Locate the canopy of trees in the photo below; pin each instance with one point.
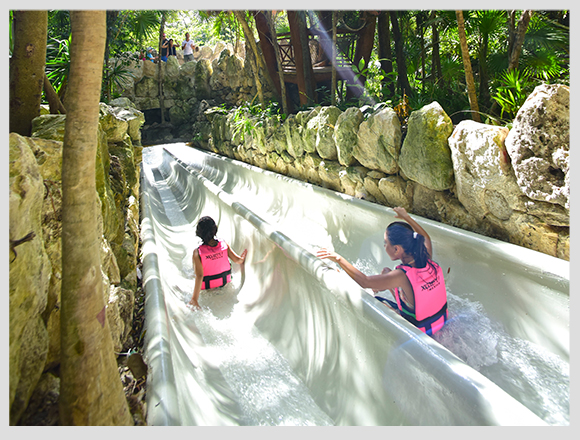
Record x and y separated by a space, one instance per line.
416 56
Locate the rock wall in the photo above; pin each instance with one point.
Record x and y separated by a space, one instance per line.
35 265
510 184
220 75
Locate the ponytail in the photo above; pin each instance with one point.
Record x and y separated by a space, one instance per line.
402 234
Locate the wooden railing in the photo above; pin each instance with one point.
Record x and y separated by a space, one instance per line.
346 43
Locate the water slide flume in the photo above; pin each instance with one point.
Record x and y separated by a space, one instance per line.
294 341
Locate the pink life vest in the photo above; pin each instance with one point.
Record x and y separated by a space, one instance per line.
430 312
217 270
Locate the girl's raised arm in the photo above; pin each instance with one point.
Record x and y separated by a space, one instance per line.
404 215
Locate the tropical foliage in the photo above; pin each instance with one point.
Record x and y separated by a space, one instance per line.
431 56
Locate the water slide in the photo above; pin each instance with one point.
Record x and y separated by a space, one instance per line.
294 341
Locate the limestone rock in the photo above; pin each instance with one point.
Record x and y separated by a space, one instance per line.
120 307
311 163
172 67
352 181
345 135
29 275
379 141
115 127
134 119
486 183
147 88
397 192
203 73
329 172
310 128
150 69
425 156
49 127
539 145
321 127
43 405
371 184
293 131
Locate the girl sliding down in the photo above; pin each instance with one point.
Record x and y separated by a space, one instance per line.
211 260
417 284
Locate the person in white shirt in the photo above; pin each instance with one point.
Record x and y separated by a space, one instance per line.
188 47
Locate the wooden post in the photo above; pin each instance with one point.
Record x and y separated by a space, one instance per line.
304 74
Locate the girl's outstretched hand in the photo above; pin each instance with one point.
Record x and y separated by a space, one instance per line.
401 213
326 254
243 256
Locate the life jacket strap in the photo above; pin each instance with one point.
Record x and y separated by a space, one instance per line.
223 276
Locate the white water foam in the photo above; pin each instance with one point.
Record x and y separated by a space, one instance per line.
267 390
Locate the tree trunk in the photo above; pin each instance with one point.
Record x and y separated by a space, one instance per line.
249 35
436 70
304 74
467 67
274 42
520 35
384 50
268 51
54 104
402 79
484 96
91 392
160 69
363 51
27 69
334 51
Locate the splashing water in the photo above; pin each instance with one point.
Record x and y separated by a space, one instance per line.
267 390
537 378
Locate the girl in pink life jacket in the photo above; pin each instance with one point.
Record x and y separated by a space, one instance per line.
417 284
211 260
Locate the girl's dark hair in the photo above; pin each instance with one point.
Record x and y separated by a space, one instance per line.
402 234
206 229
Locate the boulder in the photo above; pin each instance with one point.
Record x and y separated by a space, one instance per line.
293 131
49 127
150 70
397 192
202 76
35 265
311 163
321 130
539 145
485 181
133 117
147 88
120 306
29 275
345 135
352 181
425 155
379 141
172 67
115 127
310 128
371 184
329 173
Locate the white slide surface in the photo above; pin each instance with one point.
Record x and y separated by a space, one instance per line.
294 341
